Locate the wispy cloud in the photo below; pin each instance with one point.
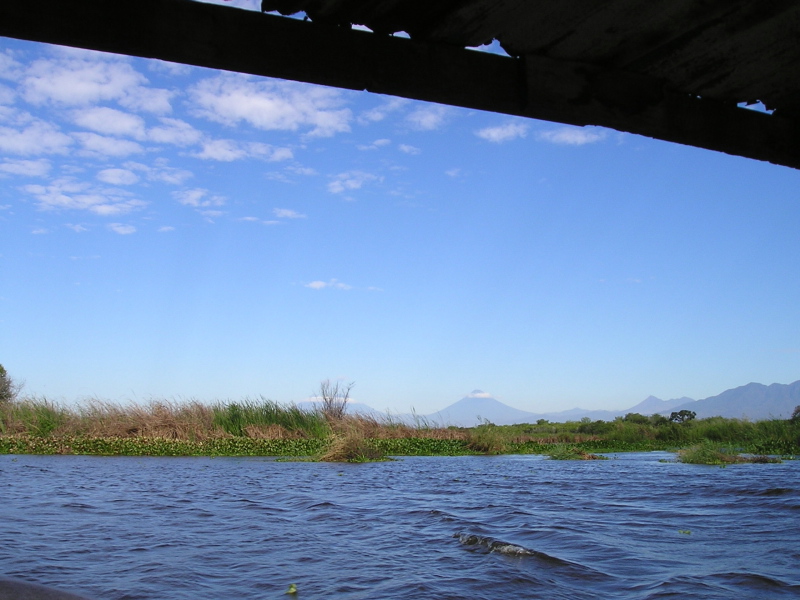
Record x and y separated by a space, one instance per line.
406 148
198 198
374 145
27 168
102 146
118 176
351 180
82 77
503 133
109 121
67 193
429 117
160 171
572 136
122 229
379 113
287 213
270 105
330 284
230 150
174 131
35 137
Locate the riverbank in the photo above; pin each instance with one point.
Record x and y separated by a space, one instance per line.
264 428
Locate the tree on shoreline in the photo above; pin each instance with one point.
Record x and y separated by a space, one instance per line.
334 398
8 389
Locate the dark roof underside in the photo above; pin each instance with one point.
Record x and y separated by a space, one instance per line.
670 69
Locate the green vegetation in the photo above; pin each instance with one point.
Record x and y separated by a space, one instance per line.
268 419
262 427
567 452
709 453
9 389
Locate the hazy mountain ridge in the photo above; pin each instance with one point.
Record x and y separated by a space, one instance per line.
754 401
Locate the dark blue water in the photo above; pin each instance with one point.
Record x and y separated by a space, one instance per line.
428 528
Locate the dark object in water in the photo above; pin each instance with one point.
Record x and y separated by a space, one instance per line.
14 589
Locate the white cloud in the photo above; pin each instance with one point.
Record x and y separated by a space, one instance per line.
150 100
230 150
67 193
170 68
332 284
503 133
77 77
77 228
110 121
103 146
572 136
122 229
455 172
270 105
479 394
374 145
7 95
409 149
351 180
118 176
199 198
160 172
38 137
221 150
166 229
174 131
9 68
379 113
28 168
298 170
286 213
428 117
40 231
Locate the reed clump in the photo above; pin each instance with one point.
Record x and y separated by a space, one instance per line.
351 446
569 452
264 418
710 453
487 438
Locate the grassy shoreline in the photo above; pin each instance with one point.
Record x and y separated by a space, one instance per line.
262 427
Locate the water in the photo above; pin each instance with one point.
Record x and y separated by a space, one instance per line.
429 528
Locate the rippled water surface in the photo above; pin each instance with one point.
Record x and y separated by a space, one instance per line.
446 527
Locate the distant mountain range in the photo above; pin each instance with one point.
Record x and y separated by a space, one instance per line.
753 401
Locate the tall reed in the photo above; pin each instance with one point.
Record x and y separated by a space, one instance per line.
255 418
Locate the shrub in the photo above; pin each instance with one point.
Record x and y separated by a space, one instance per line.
334 398
351 446
9 390
486 438
566 452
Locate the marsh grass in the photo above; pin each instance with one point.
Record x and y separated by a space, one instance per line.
711 453
487 438
264 418
569 452
261 420
351 446
35 416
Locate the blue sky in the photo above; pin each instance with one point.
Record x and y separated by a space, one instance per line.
175 232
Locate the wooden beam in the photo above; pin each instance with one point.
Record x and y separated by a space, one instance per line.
221 37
